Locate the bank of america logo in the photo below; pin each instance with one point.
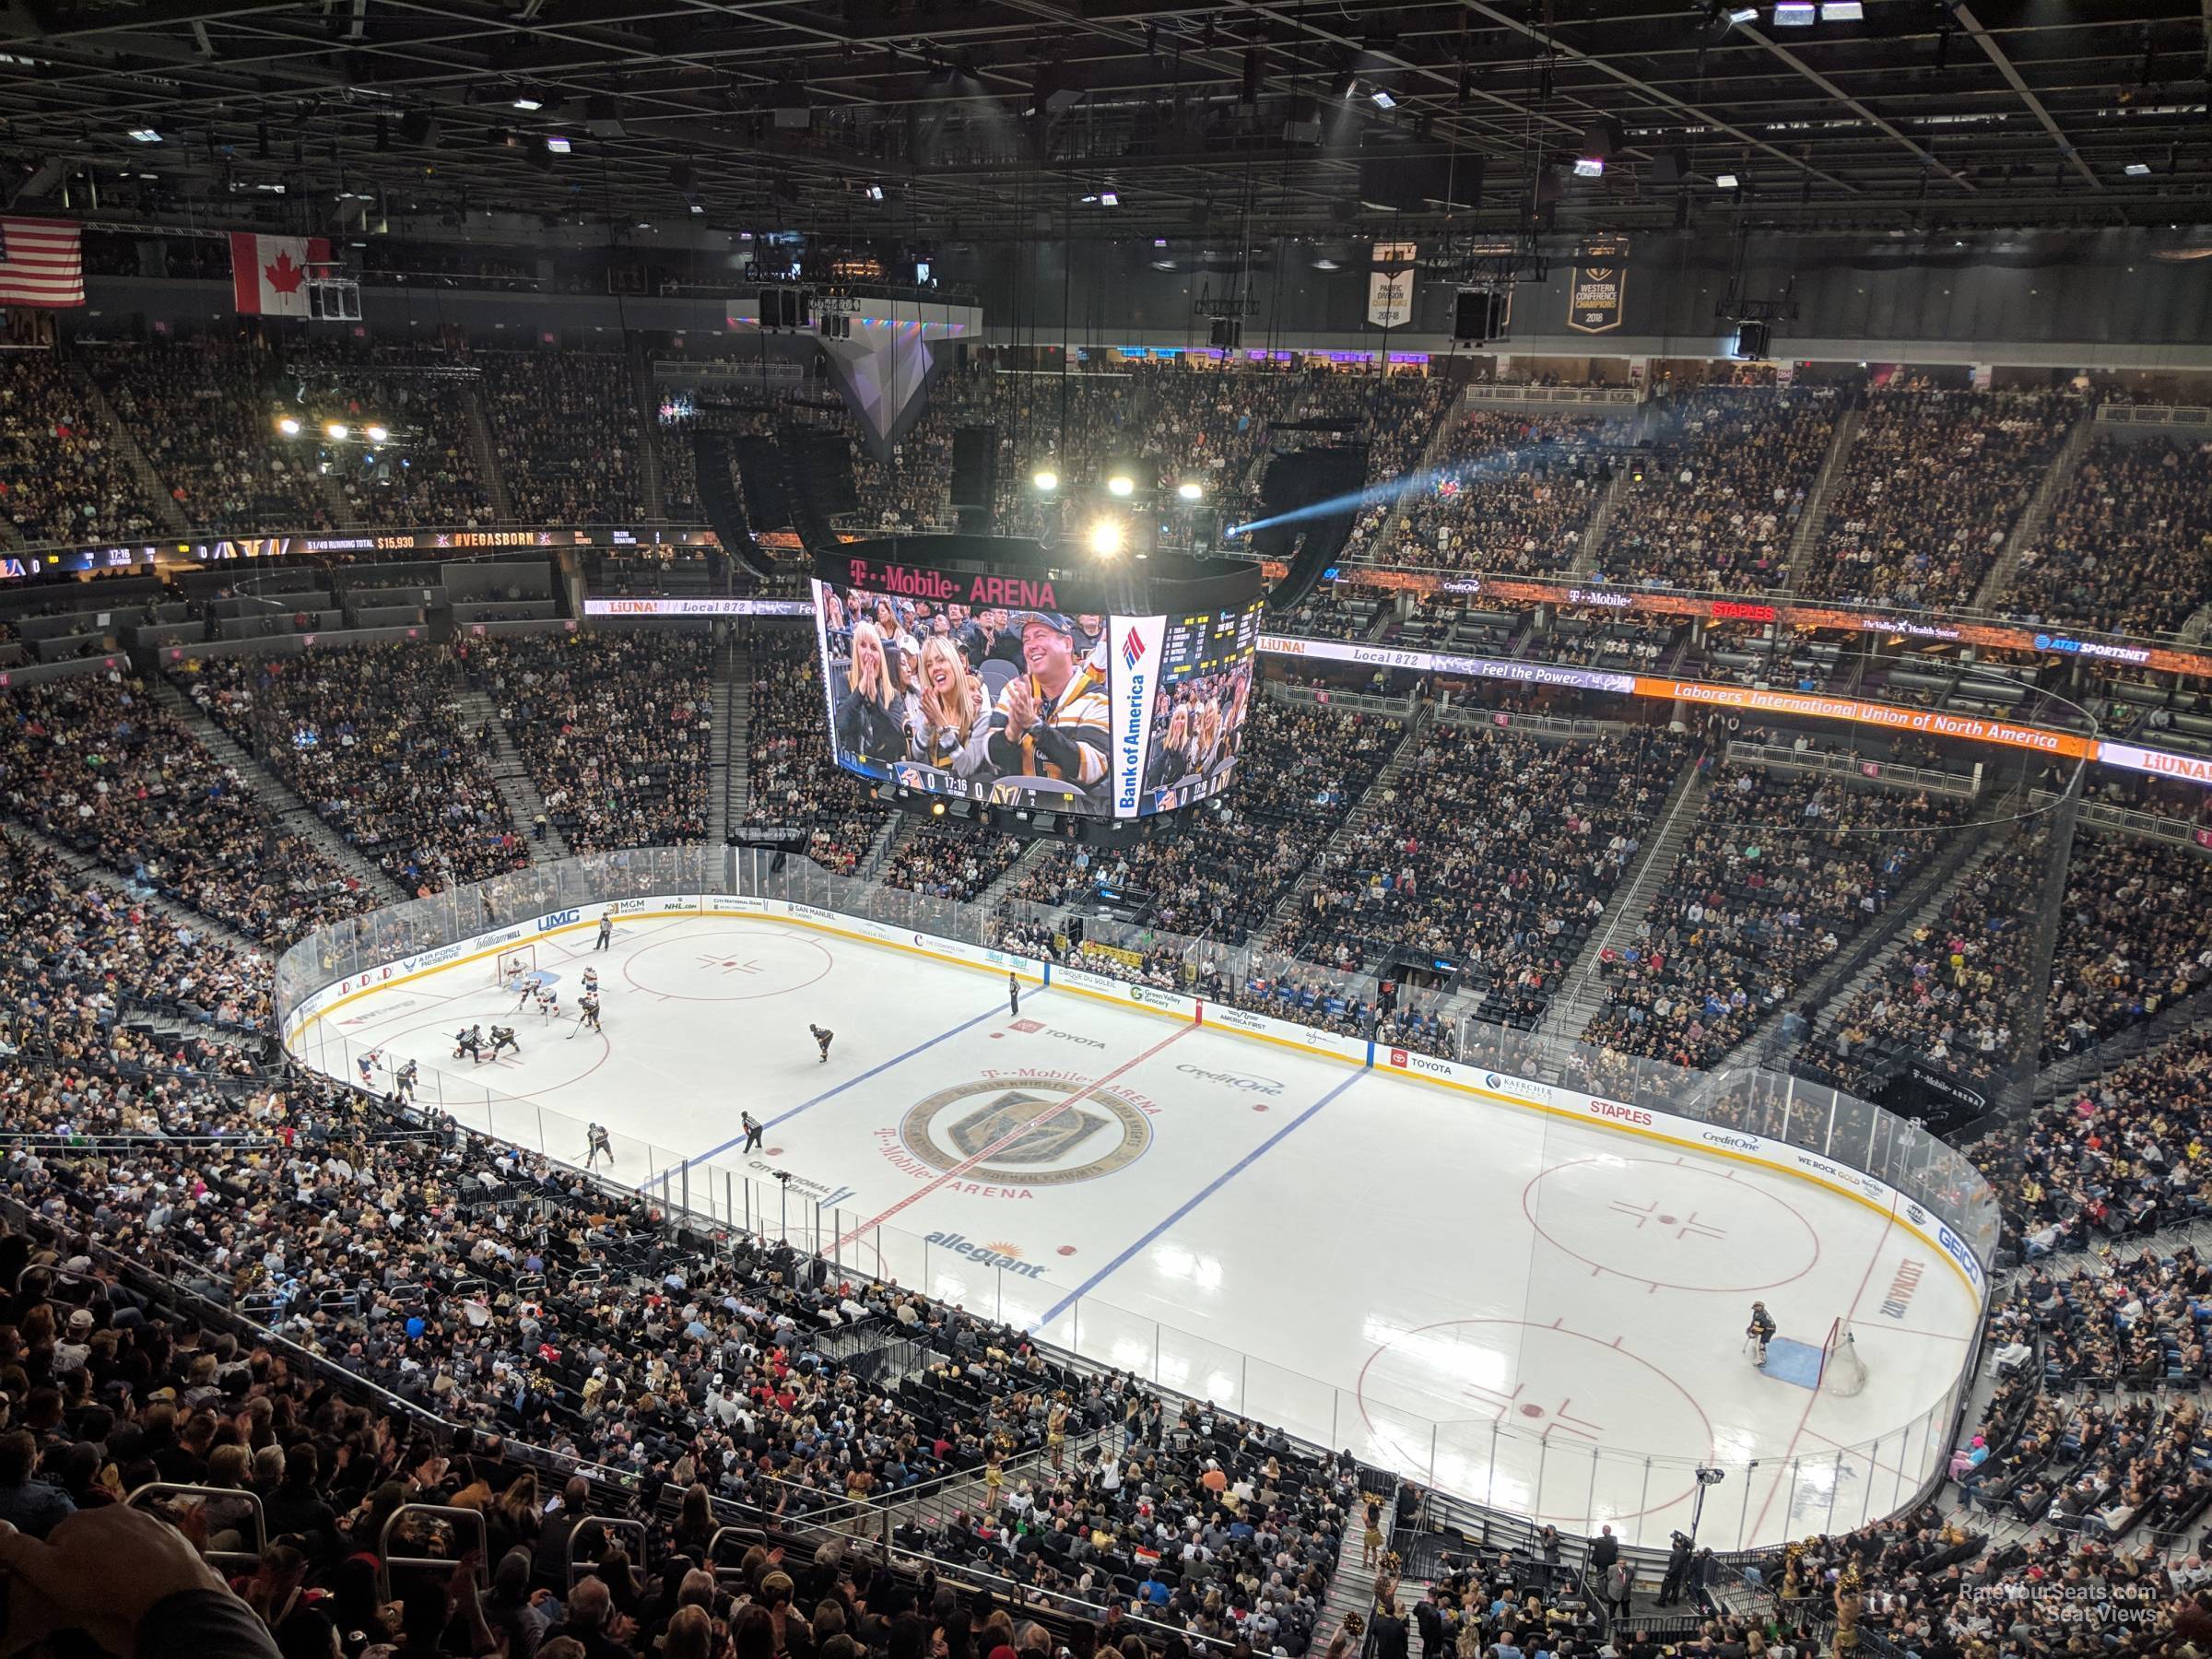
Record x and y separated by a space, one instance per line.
1132 649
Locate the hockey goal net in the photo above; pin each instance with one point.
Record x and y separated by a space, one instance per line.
519 963
1842 1369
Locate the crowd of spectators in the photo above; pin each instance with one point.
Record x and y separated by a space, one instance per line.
2136 936
203 413
60 479
1934 483
791 776
1950 993
1715 504
1222 871
566 433
1511 493
1780 869
368 737
950 859
2128 545
615 729
1493 852
97 764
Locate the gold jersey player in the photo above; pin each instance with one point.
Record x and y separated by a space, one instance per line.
822 1041
1052 719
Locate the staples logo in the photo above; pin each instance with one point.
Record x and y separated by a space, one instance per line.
1618 1113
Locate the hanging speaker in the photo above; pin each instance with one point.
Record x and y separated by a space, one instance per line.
1477 315
1227 333
975 467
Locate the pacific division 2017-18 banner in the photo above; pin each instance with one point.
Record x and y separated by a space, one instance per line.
1598 289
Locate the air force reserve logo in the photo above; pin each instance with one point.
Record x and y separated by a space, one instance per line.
1028 1129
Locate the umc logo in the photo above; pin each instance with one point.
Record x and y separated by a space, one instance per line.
557 919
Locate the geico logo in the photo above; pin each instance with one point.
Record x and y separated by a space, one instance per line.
1232 1080
1619 1114
1956 1249
557 919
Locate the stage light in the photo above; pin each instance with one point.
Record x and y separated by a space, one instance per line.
936 809
145 135
1383 100
1107 198
1590 167
1105 538
1190 489
557 146
1726 181
1121 484
338 430
377 434
1743 14
2139 170
524 101
1795 14
1045 479
1843 11
289 427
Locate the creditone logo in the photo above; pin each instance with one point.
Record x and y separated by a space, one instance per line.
1267 1086
997 1253
557 919
1720 1138
1027 1129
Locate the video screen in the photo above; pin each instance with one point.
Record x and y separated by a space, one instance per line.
1059 710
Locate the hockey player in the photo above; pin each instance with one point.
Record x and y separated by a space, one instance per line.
590 981
549 1002
821 1039
1759 1333
470 1043
503 1037
407 1075
367 1068
597 1142
587 1013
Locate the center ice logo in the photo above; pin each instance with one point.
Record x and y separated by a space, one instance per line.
1028 1129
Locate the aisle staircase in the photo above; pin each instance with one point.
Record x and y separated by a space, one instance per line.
1584 991
733 738
1594 535
1035 853
283 801
343 512
1352 1586
486 452
1332 850
1825 482
649 418
510 776
2026 532
120 437
897 826
1382 550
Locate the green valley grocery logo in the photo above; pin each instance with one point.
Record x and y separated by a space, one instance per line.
1028 1129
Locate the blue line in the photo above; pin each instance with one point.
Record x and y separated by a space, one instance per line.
1197 1198
832 1093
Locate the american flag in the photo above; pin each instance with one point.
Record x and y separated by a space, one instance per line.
41 262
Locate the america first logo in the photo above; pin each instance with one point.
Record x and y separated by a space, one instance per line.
1028 1129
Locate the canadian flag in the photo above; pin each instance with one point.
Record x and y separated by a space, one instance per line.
268 274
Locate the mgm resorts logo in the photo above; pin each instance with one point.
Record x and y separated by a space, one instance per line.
1026 1130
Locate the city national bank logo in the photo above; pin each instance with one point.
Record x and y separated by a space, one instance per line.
997 1253
1010 1132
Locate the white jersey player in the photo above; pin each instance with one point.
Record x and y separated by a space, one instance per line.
549 1002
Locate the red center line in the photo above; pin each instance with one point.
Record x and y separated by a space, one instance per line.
1013 1135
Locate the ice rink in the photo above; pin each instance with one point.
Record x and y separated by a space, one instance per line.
1529 1311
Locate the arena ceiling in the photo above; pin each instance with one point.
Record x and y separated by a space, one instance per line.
977 119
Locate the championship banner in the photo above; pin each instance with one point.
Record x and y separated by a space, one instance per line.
1390 286
1598 286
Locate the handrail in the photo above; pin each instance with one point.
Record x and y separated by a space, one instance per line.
237 1558
609 1526
386 1560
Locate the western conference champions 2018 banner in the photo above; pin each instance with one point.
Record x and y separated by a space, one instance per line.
1597 292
